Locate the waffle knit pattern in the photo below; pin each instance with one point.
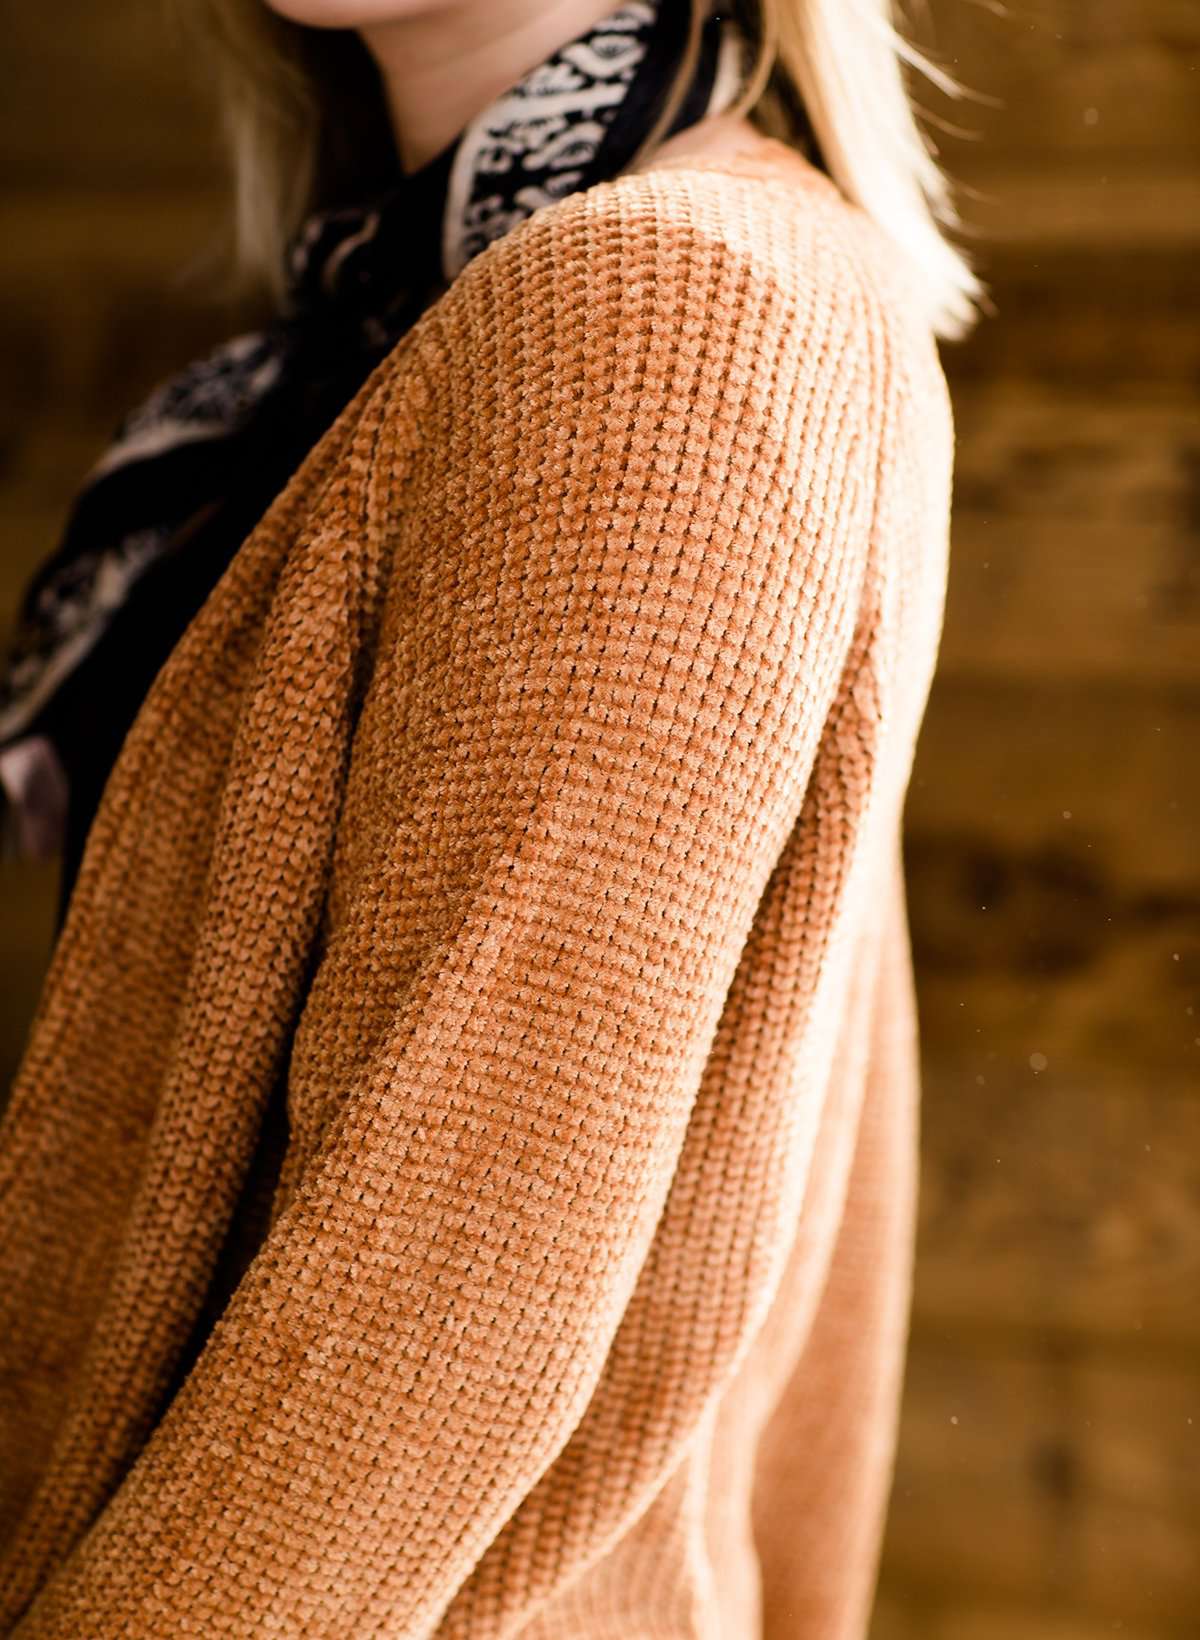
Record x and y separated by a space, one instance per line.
526 797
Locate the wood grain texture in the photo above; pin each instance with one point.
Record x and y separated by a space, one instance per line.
1060 1210
1082 1464
919 1615
1053 869
1077 552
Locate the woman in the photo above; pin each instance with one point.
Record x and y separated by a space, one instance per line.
460 1176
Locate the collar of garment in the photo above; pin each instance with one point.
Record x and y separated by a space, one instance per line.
570 121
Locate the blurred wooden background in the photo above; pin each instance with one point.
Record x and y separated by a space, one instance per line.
1048 1486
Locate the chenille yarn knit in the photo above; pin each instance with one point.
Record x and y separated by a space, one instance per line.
525 802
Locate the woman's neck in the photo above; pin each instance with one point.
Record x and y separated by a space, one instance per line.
441 66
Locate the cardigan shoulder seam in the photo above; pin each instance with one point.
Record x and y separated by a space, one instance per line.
704 214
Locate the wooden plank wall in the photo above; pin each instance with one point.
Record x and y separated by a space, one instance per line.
1047 1486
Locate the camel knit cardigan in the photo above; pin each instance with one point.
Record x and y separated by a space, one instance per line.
527 796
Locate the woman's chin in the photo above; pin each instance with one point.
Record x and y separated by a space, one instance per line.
351 13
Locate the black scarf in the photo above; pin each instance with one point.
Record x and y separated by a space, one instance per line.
193 468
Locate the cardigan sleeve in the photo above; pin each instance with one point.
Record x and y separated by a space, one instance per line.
605 665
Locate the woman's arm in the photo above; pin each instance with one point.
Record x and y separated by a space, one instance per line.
590 727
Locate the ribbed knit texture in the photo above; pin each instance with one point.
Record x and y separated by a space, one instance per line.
527 796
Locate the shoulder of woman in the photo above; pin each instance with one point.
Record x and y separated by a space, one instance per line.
681 242
669 306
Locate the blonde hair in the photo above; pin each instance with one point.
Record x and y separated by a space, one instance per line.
307 126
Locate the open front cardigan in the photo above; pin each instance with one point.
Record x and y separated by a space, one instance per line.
521 812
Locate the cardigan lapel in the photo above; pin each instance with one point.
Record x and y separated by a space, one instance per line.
98 1315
